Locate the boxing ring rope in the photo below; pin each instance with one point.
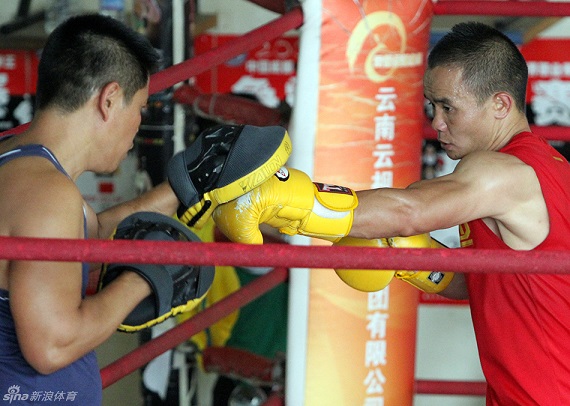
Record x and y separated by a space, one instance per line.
294 19
465 388
510 8
283 255
202 62
279 255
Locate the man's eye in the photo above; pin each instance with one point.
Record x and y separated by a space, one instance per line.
429 109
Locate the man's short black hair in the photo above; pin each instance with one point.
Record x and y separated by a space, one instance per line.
87 52
489 60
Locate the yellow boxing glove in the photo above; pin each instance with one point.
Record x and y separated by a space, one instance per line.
292 203
365 280
427 281
223 163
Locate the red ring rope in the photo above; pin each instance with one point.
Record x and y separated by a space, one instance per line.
293 19
200 63
502 8
432 387
283 255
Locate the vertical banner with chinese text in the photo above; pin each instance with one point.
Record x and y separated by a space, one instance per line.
361 346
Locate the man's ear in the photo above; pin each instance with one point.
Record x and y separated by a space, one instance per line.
503 103
109 98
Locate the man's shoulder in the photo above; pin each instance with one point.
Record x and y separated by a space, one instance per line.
483 161
37 191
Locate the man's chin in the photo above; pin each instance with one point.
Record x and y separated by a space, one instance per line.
453 155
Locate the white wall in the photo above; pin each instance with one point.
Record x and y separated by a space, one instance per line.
9 8
237 16
446 351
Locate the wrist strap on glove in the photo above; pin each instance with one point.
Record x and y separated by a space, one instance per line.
328 209
426 281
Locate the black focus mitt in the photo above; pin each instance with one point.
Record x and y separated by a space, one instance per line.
175 288
222 164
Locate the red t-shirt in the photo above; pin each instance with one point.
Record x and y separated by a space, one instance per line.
522 321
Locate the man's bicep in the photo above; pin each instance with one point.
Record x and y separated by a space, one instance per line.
41 292
42 295
474 190
443 202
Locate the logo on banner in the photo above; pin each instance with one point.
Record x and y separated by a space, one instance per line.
381 58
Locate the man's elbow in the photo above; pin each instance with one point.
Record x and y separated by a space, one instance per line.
45 360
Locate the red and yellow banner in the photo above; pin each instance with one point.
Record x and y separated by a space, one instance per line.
361 346
18 77
266 72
